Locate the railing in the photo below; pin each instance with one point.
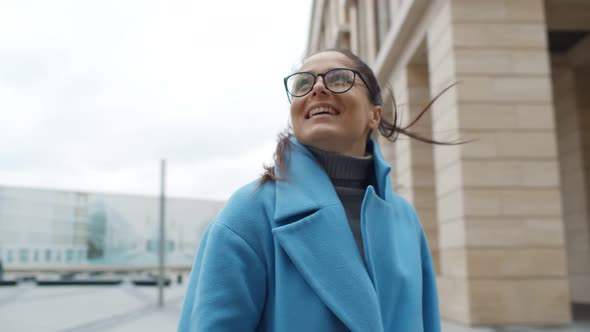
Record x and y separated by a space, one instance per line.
92 268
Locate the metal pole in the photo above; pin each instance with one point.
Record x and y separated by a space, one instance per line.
161 242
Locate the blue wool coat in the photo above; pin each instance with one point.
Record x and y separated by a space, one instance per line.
283 258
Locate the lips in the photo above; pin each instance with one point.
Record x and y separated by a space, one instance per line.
321 109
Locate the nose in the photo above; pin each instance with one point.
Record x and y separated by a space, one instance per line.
319 86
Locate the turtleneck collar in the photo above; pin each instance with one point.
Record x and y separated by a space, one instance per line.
343 170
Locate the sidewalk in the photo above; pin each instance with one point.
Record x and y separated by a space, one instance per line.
575 327
88 309
127 308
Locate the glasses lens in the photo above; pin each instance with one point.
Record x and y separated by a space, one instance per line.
300 84
339 80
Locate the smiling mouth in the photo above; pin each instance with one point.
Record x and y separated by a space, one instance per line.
323 110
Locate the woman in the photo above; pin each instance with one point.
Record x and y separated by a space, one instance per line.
320 243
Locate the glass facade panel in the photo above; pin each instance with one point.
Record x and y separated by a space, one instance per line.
23 255
57 227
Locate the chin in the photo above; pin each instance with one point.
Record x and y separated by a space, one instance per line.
317 136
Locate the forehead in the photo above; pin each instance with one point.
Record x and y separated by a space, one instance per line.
325 61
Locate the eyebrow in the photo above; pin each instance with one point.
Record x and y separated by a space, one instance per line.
315 72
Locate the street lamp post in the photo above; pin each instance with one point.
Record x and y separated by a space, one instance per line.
161 242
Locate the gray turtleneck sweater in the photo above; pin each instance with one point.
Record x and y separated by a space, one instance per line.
350 177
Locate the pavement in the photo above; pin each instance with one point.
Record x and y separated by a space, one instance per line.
128 308
574 327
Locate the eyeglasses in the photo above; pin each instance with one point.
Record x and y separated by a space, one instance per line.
337 80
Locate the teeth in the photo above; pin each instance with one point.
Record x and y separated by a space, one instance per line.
321 110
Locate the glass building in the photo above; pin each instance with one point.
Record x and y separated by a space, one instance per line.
51 227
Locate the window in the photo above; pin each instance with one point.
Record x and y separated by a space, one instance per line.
9 257
36 255
23 255
48 255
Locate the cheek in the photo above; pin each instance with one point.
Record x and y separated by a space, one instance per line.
296 110
362 120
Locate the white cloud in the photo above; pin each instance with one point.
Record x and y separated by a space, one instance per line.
94 93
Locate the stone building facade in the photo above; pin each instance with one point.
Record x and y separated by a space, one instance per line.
508 214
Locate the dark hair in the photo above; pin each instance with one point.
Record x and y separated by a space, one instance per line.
388 129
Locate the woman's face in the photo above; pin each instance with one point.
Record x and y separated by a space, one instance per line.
344 128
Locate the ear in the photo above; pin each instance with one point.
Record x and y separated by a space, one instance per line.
375 117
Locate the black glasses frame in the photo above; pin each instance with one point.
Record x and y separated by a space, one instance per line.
323 76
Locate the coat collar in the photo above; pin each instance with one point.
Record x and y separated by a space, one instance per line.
308 184
310 225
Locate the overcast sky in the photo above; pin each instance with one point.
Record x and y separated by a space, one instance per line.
94 93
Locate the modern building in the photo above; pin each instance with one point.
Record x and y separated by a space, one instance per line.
52 227
508 214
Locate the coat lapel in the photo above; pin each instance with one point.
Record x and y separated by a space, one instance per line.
385 230
311 226
380 235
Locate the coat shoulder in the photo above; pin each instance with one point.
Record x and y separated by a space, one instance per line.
251 200
249 212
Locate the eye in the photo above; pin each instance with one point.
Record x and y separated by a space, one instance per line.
300 83
340 78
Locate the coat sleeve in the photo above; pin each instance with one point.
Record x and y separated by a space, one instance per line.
227 286
430 310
